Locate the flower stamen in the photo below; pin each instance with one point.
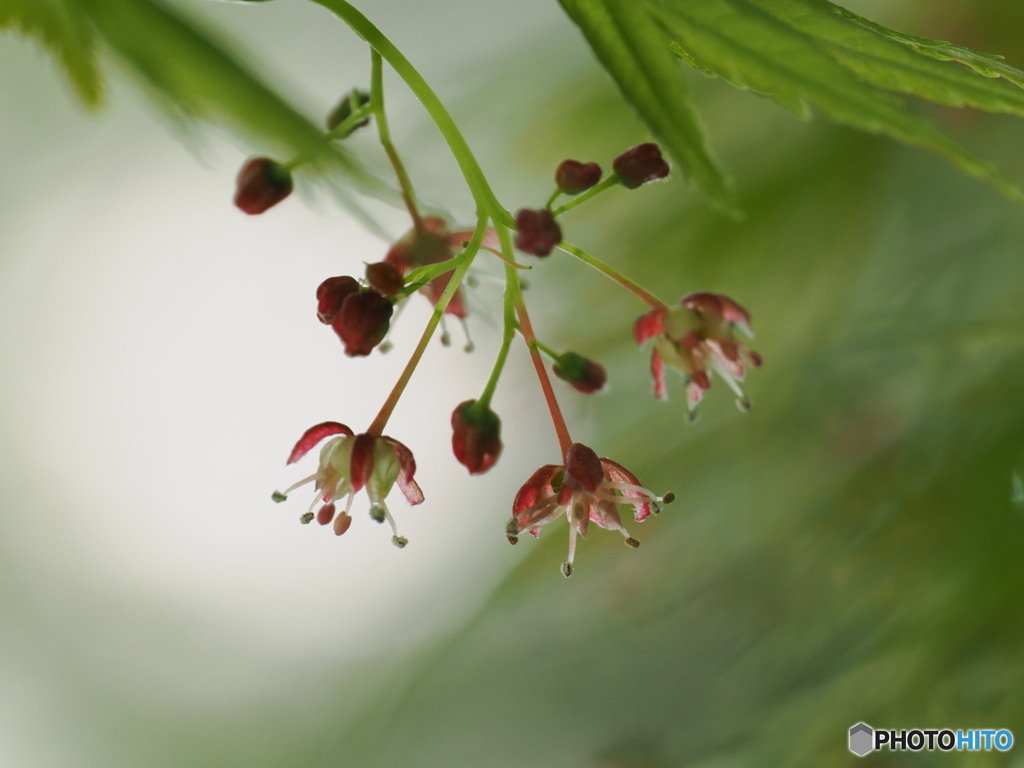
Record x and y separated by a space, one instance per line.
279 496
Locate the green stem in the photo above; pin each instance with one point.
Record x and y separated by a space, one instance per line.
465 259
341 131
546 349
595 190
554 196
506 339
384 132
484 197
420 276
542 346
641 293
346 126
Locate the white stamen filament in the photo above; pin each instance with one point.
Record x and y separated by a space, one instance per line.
470 346
388 517
630 487
315 504
299 484
631 501
729 379
530 517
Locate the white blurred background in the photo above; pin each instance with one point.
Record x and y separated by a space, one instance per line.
160 355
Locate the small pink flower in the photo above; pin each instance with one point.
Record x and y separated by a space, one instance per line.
696 338
349 463
585 489
431 246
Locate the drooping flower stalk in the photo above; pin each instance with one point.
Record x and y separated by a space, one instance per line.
594 191
508 334
475 179
465 259
634 288
557 420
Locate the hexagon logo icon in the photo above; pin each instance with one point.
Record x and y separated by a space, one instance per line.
862 739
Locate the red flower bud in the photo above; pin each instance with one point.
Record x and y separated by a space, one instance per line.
573 177
639 165
476 436
330 295
385 278
582 373
362 323
343 110
262 184
538 232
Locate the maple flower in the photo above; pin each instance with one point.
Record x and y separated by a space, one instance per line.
360 316
261 184
385 279
639 165
573 177
432 245
476 436
583 374
537 231
343 111
585 489
349 463
696 338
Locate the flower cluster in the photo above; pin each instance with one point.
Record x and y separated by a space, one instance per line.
432 258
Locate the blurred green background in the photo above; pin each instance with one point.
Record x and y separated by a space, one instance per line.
850 550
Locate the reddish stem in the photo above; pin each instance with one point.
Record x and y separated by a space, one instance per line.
561 430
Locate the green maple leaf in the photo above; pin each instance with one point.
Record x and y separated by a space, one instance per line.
185 68
806 55
61 29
